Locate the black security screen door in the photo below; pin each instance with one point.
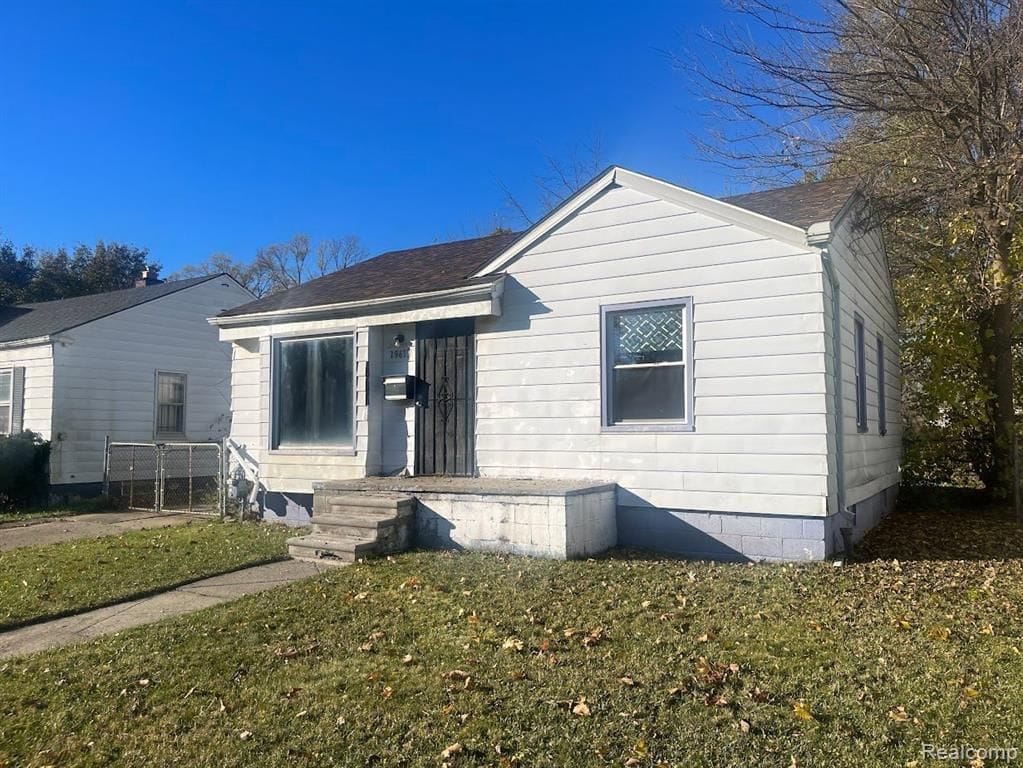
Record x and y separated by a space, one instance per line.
445 401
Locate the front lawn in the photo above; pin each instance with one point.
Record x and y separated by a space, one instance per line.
85 507
468 659
53 580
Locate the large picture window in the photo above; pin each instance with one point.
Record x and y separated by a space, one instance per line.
6 399
647 365
314 392
170 404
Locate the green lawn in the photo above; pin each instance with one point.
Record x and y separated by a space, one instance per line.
468 659
56 579
79 508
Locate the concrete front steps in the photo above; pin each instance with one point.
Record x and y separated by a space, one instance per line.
350 526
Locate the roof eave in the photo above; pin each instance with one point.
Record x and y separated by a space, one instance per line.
819 234
29 342
367 307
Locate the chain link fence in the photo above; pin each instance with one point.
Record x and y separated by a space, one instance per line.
166 477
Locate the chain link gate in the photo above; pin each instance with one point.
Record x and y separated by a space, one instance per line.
166 477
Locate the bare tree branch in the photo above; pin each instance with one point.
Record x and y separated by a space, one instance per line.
561 178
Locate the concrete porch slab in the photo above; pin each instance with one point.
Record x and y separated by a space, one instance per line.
484 486
559 518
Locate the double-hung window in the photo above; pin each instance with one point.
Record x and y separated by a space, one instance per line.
648 371
314 392
170 404
6 401
860 363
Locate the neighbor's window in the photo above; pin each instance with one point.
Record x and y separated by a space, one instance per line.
882 410
170 404
314 392
6 392
648 373
861 375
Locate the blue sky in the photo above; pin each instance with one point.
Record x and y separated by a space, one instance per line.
196 127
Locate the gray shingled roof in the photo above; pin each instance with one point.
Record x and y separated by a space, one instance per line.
30 321
799 204
416 270
450 265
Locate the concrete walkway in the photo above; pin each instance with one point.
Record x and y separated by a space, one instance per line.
91 526
186 599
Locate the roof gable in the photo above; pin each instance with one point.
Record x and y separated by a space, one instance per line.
784 223
41 319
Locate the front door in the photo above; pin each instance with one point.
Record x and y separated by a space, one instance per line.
446 397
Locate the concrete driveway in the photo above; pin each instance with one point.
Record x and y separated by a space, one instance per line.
91 526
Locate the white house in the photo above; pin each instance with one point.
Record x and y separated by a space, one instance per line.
730 367
140 364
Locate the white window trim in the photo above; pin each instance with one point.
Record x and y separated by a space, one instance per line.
336 449
860 373
9 404
674 425
882 398
157 434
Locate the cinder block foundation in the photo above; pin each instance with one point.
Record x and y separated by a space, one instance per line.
728 536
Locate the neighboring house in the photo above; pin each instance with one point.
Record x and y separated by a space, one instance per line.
679 346
140 364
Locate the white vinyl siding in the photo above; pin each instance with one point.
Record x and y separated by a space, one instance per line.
36 404
105 376
871 461
759 407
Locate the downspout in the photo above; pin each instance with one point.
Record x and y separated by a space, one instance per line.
839 407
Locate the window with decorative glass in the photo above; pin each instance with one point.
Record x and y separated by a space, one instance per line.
647 366
170 404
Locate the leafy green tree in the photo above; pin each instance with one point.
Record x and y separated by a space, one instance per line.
30 275
924 99
109 267
16 272
54 277
947 398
